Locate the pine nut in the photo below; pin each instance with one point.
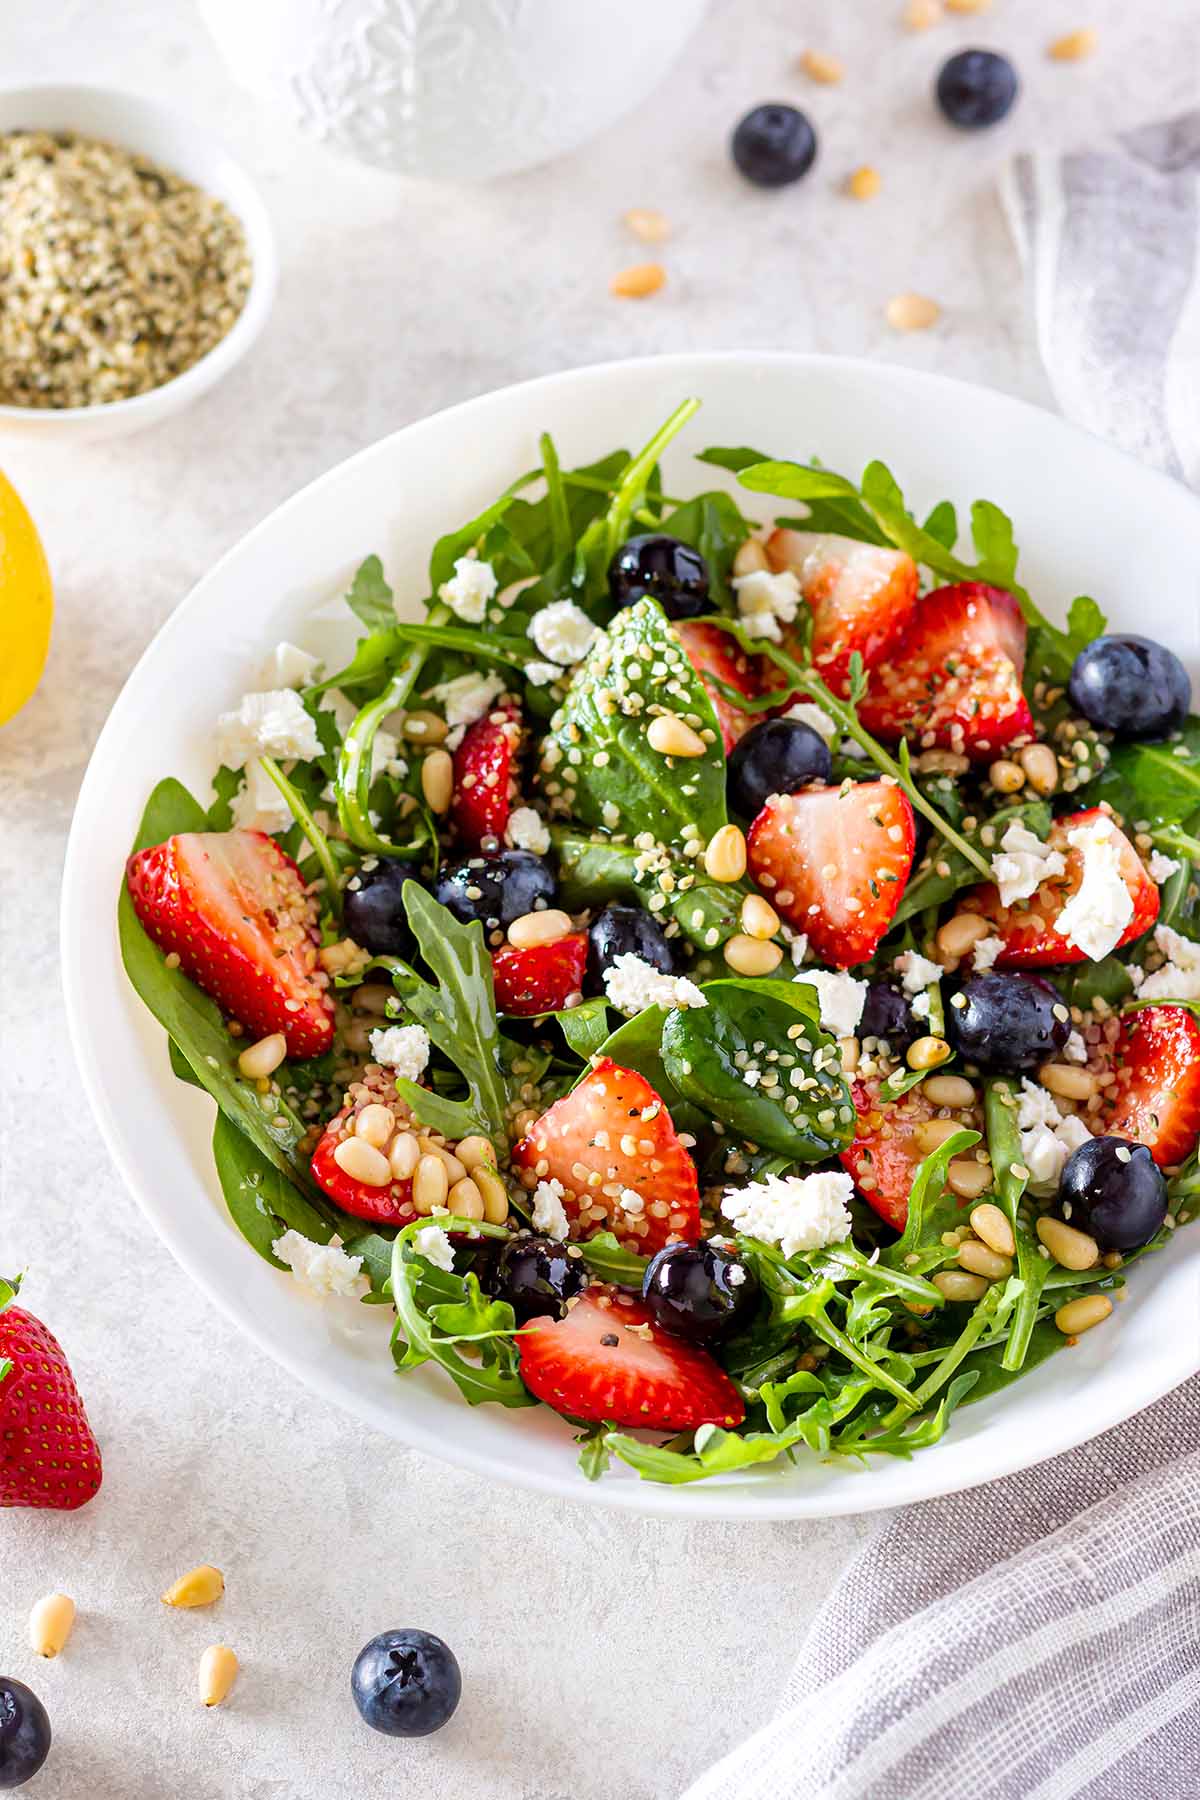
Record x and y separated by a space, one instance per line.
819 67
1071 48
218 1672
199 1587
751 956
455 1170
725 858
495 1195
375 1124
927 1053
638 282
961 933
437 780
534 928
1006 776
851 1050
981 1261
949 1090
967 6
424 727
1041 767
1071 1248
968 1179
475 1150
262 1059
1080 1315
647 223
50 1624
465 1200
919 15
759 918
941 762
957 1284
430 1184
912 312
403 1155
371 997
1067 1081
671 736
342 958
864 183
933 1132
362 1162
750 557
990 1224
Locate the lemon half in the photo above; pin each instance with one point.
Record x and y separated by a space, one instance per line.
26 603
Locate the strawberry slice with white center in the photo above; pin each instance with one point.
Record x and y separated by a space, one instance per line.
233 908
608 1360
1156 1097
543 978
1028 928
712 651
834 863
484 776
886 1152
861 596
612 1147
953 681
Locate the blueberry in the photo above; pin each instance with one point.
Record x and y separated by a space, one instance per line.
406 1683
776 756
670 571
1114 1190
888 1014
774 144
976 88
497 888
537 1276
626 931
1131 686
1007 1023
699 1292
373 912
24 1733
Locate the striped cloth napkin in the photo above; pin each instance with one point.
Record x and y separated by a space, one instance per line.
1039 1639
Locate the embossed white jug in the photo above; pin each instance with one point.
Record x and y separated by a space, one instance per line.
458 90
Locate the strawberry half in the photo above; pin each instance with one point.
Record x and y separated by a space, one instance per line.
608 1360
713 652
834 862
1156 1099
613 1126
885 1156
954 679
233 908
48 1455
384 1203
1027 927
862 597
543 978
484 779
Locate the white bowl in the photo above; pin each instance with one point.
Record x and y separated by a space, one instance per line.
186 149
1071 497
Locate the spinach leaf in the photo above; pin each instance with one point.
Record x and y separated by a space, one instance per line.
1158 782
370 598
263 1202
585 1027
594 870
714 525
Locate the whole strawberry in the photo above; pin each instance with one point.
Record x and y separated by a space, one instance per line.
48 1456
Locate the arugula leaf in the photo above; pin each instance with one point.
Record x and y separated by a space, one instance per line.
453 1118
480 646
227 785
370 598
1085 621
1004 1147
460 1014
611 1261
942 524
992 534
427 1298
456 544
1158 782
930 1210
594 1456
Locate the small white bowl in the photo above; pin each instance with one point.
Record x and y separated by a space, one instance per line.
185 149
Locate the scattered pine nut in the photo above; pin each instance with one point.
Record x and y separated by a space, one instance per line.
638 282
827 70
424 727
50 1624
759 918
1080 1315
968 6
673 736
263 1058
751 956
533 928
1072 1249
437 780
928 1053
1074 46
919 15
912 312
1006 776
199 1587
725 857
647 223
750 557
959 1284
476 1152
218 1672
864 183
1041 767
990 1224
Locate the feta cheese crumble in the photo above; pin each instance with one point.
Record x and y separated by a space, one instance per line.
841 998
548 1214
433 1244
985 952
1047 1138
541 674
469 589
467 697
324 1271
766 601
797 1212
526 830
258 805
917 972
809 713
1075 1050
273 723
1095 917
562 632
1160 868
402 1048
288 667
1179 977
632 984
1022 863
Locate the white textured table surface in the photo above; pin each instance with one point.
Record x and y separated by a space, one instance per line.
601 1655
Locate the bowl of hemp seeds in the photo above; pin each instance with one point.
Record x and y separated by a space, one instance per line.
137 262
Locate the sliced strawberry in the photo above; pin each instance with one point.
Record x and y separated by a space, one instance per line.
712 651
233 908
608 1360
614 1126
834 863
385 1203
885 1154
48 1455
1027 927
484 777
954 679
541 979
1156 1098
862 597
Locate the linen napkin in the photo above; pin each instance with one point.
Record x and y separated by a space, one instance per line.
1039 1638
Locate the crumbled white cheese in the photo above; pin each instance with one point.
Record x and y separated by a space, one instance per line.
526 830
797 1212
1036 1106
385 756
467 697
766 601
288 667
809 713
917 972
841 998
562 632
268 724
258 805
1075 1050
469 589
985 952
921 1005
1160 868
548 1214
1095 917
1179 977
1022 863
632 984
402 1048
736 1276
433 1244
541 674
323 1270
1047 1138
631 1202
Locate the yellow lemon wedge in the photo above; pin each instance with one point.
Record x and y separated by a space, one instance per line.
26 603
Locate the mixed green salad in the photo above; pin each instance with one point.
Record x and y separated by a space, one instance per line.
732 983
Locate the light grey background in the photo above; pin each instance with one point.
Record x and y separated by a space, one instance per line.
601 1656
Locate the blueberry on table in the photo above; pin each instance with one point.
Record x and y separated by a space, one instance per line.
774 144
888 1014
699 1291
626 931
497 888
406 1683
976 88
24 1733
1114 1190
373 910
664 568
1007 1023
1130 686
537 1276
776 756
